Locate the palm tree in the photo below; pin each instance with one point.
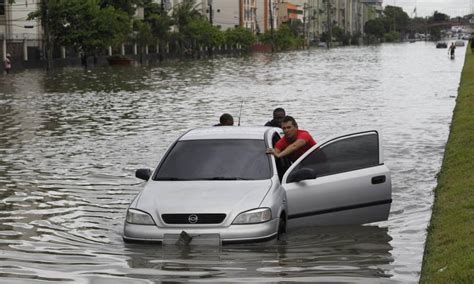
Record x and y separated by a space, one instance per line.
185 12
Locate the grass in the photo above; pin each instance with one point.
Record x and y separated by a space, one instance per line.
449 251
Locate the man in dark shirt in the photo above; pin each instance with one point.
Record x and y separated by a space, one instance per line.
278 115
225 120
294 143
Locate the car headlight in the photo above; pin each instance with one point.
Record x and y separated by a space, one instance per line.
254 216
139 217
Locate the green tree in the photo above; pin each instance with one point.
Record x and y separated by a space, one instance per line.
418 25
296 27
160 24
151 8
285 39
439 17
436 24
340 35
397 18
83 25
391 36
240 36
184 13
375 27
200 33
142 35
127 6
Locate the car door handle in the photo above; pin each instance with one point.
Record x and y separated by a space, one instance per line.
378 179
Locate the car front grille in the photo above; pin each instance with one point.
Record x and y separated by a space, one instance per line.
188 218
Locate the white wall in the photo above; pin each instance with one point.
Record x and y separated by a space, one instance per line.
226 13
16 15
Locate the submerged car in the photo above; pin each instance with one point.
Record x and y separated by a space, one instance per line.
441 44
219 184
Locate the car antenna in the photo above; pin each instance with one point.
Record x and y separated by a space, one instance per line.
240 111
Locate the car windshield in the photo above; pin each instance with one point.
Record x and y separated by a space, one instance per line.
223 159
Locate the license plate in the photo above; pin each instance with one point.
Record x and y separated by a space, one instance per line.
189 239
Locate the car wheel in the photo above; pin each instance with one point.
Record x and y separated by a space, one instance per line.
281 227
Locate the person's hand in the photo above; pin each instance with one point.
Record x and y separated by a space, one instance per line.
271 151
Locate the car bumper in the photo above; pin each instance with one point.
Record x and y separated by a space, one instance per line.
231 234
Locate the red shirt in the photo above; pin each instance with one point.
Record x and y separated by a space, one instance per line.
302 134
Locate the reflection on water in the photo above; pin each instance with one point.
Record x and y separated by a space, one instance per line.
71 140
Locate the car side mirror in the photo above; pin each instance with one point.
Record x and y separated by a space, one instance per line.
143 174
301 174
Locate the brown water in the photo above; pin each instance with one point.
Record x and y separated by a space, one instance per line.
71 140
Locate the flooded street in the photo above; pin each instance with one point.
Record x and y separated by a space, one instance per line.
70 142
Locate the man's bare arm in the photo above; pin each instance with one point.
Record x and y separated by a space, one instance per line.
290 149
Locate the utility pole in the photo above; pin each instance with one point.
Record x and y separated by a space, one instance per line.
47 52
162 7
328 12
210 11
271 23
306 26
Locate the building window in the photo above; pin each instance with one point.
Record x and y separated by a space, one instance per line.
2 7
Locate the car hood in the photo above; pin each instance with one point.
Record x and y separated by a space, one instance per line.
161 197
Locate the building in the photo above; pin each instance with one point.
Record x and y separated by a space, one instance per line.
224 13
288 12
23 35
248 14
266 19
375 4
349 15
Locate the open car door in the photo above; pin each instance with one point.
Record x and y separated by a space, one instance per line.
343 181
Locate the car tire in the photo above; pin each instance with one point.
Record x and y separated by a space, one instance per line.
281 227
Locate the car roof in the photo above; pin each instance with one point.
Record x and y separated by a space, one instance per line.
228 132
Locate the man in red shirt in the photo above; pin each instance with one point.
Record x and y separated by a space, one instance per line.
295 142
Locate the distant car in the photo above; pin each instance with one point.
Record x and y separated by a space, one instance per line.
459 43
218 183
441 44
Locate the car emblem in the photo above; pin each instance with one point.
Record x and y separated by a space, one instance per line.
193 219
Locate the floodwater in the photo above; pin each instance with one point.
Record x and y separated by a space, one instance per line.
71 140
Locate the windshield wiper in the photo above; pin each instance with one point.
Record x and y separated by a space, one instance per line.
209 178
170 178
224 178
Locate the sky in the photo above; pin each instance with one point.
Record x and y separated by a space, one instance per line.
424 8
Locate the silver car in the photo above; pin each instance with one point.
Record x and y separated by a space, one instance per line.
217 185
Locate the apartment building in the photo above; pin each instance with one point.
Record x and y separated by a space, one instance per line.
266 11
375 4
225 13
248 14
288 11
16 29
350 15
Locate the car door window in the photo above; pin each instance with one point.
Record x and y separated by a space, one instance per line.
344 155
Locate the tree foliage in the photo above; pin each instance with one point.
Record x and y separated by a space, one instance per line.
184 13
199 32
390 26
142 33
240 36
285 38
439 17
396 18
127 6
83 24
375 27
